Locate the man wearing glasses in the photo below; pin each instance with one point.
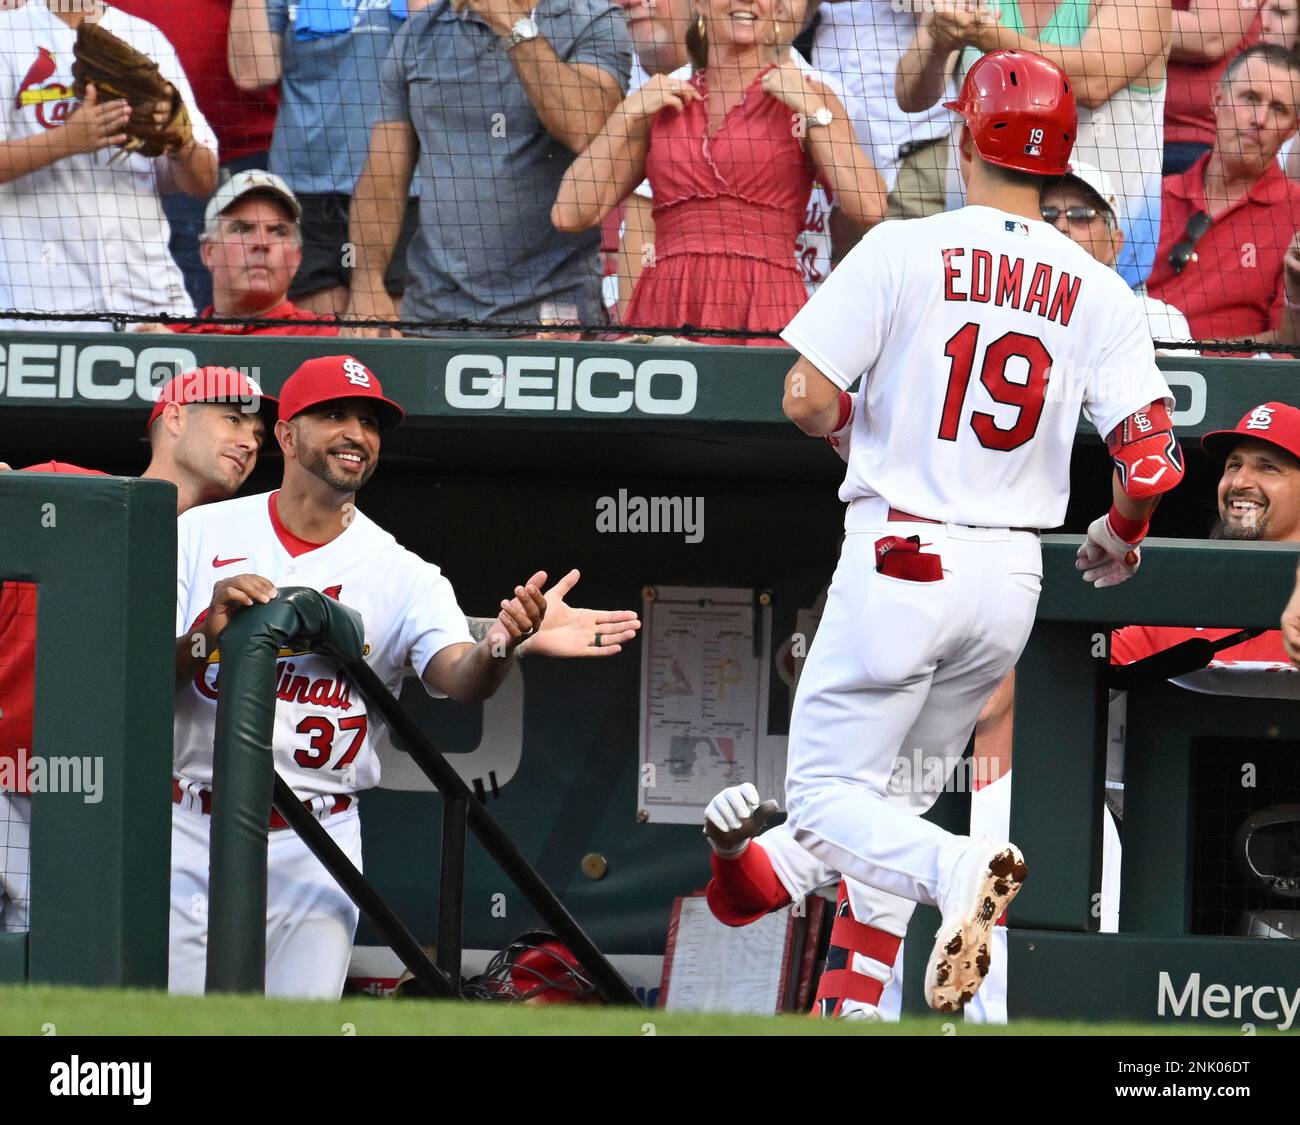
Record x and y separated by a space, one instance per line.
1227 222
1084 206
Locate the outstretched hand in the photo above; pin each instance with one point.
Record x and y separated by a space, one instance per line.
570 632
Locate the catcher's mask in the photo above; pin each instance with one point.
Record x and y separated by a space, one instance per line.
535 968
1268 849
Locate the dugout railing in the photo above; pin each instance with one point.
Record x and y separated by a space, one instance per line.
245 786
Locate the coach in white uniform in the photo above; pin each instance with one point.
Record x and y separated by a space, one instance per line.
978 335
309 533
82 227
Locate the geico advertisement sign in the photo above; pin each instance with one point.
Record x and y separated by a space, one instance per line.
600 385
96 372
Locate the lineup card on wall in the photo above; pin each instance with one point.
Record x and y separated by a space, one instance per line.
705 660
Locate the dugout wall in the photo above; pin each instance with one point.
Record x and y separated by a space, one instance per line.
102 551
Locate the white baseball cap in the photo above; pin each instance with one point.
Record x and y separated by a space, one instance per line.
252 182
1098 182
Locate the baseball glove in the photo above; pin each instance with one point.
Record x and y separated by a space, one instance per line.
159 121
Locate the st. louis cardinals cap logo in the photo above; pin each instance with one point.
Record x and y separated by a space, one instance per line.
355 372
1260 418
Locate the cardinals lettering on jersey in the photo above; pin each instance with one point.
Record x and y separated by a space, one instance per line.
1043 290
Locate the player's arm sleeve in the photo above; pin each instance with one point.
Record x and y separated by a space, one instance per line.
1124 377
431 620
842 328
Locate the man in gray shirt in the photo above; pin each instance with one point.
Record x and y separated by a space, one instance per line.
327 78
486 105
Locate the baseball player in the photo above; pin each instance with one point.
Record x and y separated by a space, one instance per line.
978 335
870 925
310 533
204 434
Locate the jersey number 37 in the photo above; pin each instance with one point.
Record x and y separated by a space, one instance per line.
1027 397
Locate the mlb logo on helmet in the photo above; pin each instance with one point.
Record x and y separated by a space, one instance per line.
1020 112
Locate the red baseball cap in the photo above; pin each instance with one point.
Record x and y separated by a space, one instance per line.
63 467
214 384
1273 422
329 378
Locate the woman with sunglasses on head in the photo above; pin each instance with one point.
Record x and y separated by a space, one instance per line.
731 155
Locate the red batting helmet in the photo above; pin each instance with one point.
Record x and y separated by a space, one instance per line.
1021 113
535 968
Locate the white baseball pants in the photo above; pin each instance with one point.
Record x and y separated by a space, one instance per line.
310 921
900 668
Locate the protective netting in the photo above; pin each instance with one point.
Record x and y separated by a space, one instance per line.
482 166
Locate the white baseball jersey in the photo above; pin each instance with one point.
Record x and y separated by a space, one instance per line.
81 235
322 741
978 335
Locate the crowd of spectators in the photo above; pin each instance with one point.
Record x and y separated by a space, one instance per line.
625 167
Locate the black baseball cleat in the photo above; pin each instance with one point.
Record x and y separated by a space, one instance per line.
986 883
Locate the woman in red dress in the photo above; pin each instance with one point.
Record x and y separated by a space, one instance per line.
730 155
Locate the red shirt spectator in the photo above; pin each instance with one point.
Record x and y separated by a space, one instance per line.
1226 222
1232 287
242 120
252 244
286 311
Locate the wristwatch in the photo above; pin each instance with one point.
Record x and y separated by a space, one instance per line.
822 115
523 30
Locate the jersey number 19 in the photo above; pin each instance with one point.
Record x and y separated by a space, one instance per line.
1027 397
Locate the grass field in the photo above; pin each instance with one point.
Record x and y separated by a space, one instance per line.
43 1010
